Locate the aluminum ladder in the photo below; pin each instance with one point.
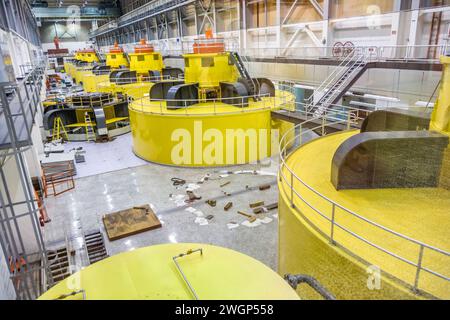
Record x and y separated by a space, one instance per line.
90 133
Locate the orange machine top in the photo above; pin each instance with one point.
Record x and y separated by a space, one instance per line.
143 47
209 44
116 49
87 50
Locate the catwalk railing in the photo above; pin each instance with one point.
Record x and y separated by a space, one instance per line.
20 235
295 190
372 53
216 106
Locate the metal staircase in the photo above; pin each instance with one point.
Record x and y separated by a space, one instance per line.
250 82
337 83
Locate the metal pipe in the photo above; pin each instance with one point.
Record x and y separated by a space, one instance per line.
295 280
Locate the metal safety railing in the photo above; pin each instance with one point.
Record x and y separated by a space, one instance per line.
214 106
376 53
292 183
341 70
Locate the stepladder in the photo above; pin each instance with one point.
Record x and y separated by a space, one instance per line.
90 132
59 131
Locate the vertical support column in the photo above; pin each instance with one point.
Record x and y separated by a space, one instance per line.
327 28
414 26
397 17
278 23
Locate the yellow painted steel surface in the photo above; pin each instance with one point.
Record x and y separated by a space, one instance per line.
80 73
203 134
116 60
88 57
142 63
135 91
70 68
77 55
209 69
440 119
150 273
422 214
91 81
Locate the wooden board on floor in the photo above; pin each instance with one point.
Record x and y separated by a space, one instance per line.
129 222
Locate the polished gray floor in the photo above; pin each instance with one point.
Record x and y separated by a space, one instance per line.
80 211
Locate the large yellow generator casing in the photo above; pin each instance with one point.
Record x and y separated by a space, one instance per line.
142 63
151 273
440 119
90 57
116 60
209 69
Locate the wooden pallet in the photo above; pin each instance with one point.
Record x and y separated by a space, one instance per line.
129 222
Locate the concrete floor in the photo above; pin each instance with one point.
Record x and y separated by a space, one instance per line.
80 211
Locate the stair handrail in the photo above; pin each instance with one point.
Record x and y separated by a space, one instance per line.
332 75
360 59
255 82
244 61
337 73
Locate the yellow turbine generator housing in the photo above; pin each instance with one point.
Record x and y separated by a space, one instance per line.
366 212
145 61
83 63
146 66
175 271
217 116
87 116
116 59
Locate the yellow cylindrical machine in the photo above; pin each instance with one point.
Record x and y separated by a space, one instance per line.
214 118
353 241
159 273
440 119
208 134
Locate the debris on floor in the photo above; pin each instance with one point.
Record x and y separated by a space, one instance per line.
272 206
251 224
179 199
259 210
225 184
256 204
201 221
228 206
194 211
266 220
212 203
232 225
210 217
178 182
264 187
192 196
205 178
250 217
